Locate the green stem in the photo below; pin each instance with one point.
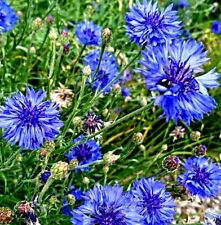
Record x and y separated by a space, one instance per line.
51 69
45 188
45 38
79 56
74 112
100 58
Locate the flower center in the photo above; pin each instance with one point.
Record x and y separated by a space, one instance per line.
2 16
29 116
153 20
106 215
83 152
178 77
89 33
151 204
200 175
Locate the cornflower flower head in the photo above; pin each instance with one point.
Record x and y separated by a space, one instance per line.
171 70
28 120
201 177
8 17
212 218
88 33
145 23
216 27
84 153
73 197
92 123
107 205
156 204
108 70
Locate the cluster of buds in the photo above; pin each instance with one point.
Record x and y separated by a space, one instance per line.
59 170
62 96
177 133
171 163
110 158
5 215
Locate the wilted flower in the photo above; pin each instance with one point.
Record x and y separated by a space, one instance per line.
171 163
106 35
216 27
84 153
106 205
145 23
73 197
28 120
110 158
88 33
200 150
170 70
177 133
62 96
202 177
108 70
92 123
5 215
157 205
8 17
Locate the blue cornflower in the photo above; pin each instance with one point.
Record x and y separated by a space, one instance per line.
8 17
201 177
73 197
126 76
212 218
170 70
216 27
92 123
88 33
107 205
125 92
157 205
146 24
84 153
28 120
108 70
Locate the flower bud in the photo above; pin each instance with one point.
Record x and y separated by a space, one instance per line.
106 35
110 158
19 13
143 100
200 150
64 36
59 170
195 135
72 164
66 48
86 71
5 215
86 180
49 20
37 23
171 163
164 147
117 89
106 169
43 152
32 50
142 148
138 138
71 199
53 35
53 200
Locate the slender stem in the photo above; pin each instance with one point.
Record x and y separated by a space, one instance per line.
45 38
100 58
45 188
79 56
74 111
51 69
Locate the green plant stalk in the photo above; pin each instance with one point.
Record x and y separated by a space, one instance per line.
45 188
59 62
100 58
74 112
51 69
128 116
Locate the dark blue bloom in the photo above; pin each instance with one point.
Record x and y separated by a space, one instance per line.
84 153
8 17
92 123
170 70
125 92
73 197
107 205
201 177
28 120
157 205
146 24
216 27
88 33
45 175
108 70
181 4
